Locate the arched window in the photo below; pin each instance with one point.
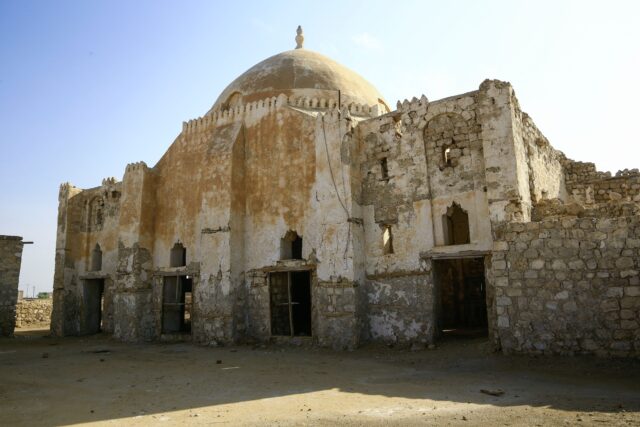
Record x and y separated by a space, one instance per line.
291 246
456 226
178 257
96 258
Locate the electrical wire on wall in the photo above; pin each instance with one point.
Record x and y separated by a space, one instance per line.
335 186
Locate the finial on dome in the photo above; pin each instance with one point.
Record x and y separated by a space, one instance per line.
299 38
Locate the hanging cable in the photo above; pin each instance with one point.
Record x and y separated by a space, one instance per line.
335 186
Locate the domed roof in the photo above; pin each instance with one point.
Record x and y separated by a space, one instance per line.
299 71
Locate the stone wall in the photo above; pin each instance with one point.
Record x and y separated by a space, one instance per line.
30 312
588 184
545 168
570 284
10 260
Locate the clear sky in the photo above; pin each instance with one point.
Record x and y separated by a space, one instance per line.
89 86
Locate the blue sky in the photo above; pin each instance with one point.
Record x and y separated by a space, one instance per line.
87 87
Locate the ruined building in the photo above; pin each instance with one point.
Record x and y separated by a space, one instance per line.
301 205
10 261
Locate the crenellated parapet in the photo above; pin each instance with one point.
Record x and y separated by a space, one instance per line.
109 182
415 103
66 190
264 107
132 167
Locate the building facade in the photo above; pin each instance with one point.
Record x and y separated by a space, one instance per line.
302 207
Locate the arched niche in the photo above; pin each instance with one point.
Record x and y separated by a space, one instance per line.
96 258
291 246
178 255
456 225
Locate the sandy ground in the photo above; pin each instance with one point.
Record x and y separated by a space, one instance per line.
96 380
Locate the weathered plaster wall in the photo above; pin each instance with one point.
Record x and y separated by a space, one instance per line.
507 186
570 284
86 218
478 173
337 240
30 312
193 207
10 260
544 165
236 181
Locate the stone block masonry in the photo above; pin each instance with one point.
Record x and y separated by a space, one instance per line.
569 285
33 312
10 260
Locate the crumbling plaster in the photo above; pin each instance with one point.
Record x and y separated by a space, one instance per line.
235 181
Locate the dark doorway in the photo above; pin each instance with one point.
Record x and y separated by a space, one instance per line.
461 297
93 303
177 303
290 299
301 303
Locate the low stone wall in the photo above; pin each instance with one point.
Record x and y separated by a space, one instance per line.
30 312
568 285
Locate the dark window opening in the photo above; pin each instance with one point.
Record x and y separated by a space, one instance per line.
387 240
99 218
456 226
384 167
93 302
177 304
178 257
96 258
290 300
291 246
461 308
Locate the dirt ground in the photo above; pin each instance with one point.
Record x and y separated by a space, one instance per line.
96 380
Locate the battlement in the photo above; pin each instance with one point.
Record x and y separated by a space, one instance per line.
107 182
266 106
415 103
131 167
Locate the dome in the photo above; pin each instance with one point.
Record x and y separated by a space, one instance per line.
299 72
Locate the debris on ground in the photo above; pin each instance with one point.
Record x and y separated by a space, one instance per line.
496 392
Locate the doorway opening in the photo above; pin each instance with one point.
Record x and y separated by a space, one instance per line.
461 308
93 304
177 304
290 300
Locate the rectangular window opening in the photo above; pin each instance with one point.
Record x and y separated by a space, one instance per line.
384 167
387 240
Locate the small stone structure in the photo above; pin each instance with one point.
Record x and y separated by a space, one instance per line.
300 206
10 260
33 312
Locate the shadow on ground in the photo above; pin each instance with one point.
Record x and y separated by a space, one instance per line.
53 381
